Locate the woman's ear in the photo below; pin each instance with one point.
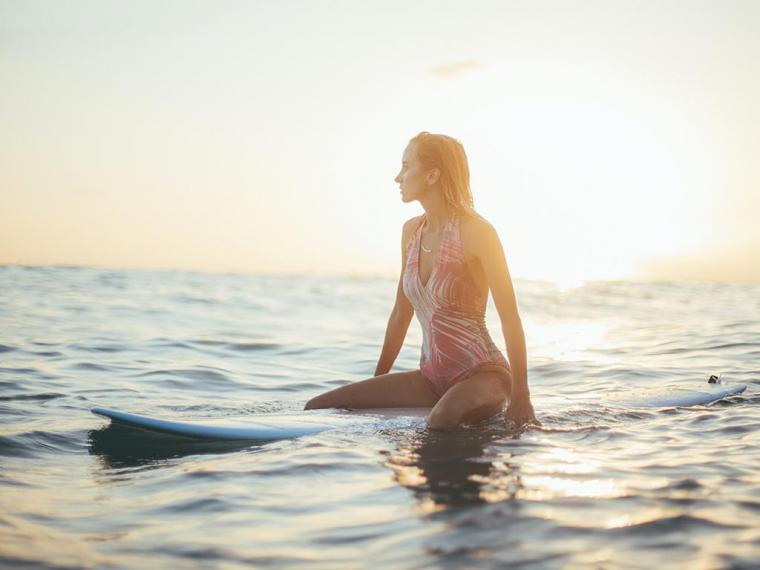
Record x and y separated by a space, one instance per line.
432 176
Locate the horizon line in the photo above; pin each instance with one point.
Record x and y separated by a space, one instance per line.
358 275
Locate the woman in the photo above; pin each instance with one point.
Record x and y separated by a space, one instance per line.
450 258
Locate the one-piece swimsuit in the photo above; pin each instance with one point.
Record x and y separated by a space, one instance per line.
451 311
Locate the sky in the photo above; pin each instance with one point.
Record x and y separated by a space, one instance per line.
606 139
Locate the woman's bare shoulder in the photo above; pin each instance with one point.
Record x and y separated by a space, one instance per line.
477 236
406 233
476 226
411 224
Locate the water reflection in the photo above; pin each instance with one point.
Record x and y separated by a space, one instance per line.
118 446
453 469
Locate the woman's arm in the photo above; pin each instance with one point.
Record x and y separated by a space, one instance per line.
491 255
401 316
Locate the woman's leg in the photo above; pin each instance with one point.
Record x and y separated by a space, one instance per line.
394 390
482 395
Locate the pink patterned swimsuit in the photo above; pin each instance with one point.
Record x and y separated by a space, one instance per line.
451 311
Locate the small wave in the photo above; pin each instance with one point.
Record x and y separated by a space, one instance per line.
571 429
17 370
7 411
751 505
207 342
253 346
295 350
674 524
7 348
109 348
179 377
743 324
31 397
170 343
195 300
599 414
551 370
196 553
32 443
297 387
49 353
5 480
89 366
10 446
683 484
305 468
241 346
730 430
671 351
197 505
748 345
220 475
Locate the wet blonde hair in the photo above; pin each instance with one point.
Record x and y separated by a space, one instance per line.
447 155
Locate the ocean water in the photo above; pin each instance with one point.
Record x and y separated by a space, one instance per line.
595 487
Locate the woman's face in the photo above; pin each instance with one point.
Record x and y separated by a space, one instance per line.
412 179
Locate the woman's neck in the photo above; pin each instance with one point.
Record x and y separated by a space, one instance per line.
437 213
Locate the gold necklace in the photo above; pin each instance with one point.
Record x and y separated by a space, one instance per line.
426 250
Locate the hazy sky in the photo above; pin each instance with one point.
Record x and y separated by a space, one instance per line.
606 139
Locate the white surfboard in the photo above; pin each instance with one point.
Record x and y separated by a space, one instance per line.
679 397
264 427
269 427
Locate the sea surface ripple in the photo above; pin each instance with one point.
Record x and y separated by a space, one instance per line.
596 486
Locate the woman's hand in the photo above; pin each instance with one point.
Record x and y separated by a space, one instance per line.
520 411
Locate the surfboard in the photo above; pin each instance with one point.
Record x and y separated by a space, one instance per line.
680 397
264 427
270 427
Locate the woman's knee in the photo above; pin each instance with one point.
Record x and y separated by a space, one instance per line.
318 403
469 402
442 420
311 404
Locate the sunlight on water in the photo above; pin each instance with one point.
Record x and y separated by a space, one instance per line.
541 488
559 460
567 340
